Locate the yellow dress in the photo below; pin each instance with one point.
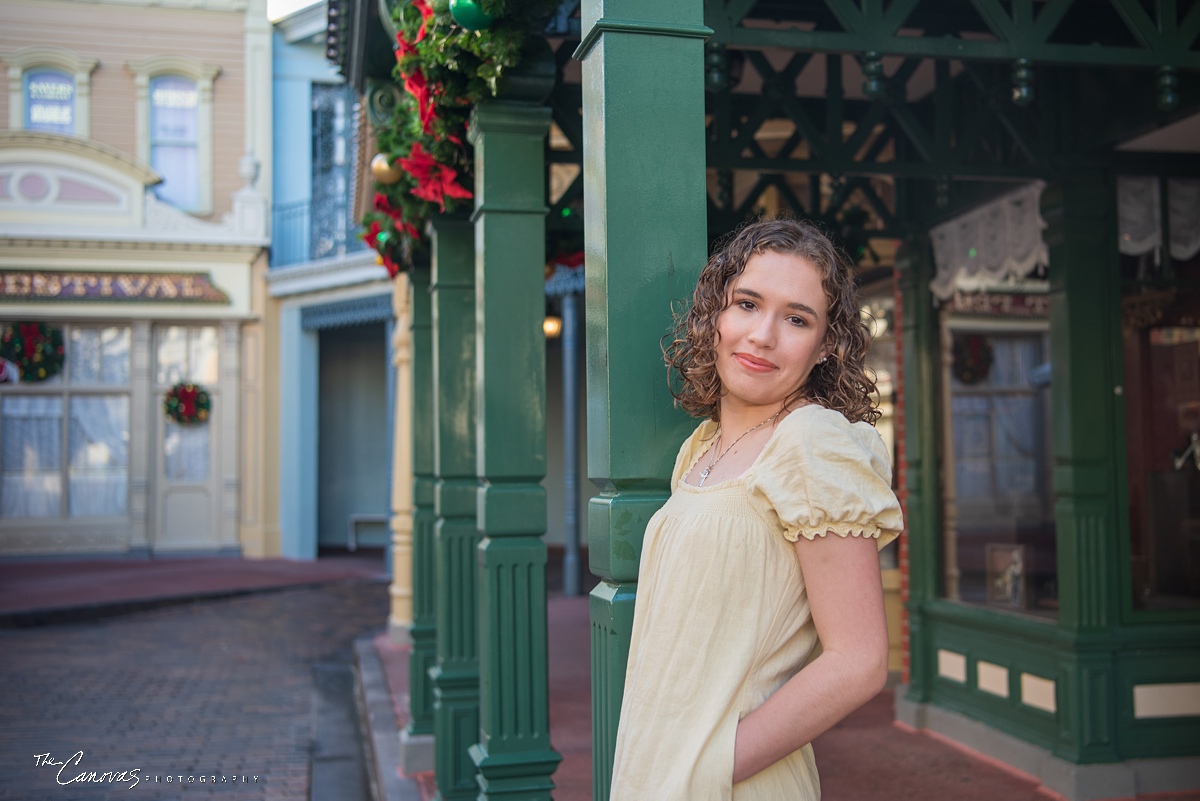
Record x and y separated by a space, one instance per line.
722 617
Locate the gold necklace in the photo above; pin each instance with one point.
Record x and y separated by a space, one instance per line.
716 447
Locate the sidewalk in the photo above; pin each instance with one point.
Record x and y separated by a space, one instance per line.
865 758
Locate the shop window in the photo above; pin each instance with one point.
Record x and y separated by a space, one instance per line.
64 442
49 101
187 353
174 140
1162 436
999 509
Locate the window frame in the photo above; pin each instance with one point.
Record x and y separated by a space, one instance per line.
34 57
144 70
68 391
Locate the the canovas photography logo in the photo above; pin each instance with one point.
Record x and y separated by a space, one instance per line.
73 771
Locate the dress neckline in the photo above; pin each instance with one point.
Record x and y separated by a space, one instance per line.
741 478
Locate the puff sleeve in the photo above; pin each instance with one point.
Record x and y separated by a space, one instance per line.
820 474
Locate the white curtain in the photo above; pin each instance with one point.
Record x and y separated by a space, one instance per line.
996 242
31 456
185 451
1140 213
99 455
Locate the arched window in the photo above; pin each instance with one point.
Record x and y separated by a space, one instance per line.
49 101
49 90
175 127
174 139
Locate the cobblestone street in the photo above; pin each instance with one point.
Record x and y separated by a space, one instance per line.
169 699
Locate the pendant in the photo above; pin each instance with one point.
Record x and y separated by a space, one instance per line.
703 475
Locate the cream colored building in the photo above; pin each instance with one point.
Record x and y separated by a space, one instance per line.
134 216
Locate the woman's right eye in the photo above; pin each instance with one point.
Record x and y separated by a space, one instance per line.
748 305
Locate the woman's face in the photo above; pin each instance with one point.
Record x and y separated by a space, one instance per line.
771 333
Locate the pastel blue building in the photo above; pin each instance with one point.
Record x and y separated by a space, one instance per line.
334 307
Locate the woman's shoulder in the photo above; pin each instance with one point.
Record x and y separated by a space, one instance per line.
816 434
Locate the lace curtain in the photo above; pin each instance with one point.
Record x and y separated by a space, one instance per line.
998 241
31 483
1139 211
1003 239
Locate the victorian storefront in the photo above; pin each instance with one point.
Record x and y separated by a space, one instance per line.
133 242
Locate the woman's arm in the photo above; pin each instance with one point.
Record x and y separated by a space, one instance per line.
845 597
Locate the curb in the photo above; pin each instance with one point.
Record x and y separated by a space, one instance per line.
87 613
379 720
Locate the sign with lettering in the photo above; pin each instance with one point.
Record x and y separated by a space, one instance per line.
997 304
48 285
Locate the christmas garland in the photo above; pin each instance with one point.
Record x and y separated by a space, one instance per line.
972 358
35 348
187 404
445 69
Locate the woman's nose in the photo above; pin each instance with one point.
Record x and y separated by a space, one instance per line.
763 332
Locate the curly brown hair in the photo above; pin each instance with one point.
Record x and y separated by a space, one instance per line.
841 382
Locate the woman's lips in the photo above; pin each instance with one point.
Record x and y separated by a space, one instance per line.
753 363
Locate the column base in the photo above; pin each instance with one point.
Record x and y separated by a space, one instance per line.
416 752
456 730
524 775
399 633
1074 782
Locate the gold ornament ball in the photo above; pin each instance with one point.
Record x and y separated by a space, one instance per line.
384 172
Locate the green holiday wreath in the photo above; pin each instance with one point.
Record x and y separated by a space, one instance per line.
35 348
187 404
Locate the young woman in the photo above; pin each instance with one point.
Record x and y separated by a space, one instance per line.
768 543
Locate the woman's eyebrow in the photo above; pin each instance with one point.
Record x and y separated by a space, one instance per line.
797 306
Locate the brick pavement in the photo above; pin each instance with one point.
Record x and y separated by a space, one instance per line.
220 688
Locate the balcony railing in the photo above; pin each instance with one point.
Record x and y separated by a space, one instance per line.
310 230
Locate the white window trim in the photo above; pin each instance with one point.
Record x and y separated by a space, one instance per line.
204 75
77 66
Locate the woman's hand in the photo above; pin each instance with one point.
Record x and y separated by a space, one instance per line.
845 598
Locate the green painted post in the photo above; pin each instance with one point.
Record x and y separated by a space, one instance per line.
456 676
921 365
419 732
513 754
646 235
1085 342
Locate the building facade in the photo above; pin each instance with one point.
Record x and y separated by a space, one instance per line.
134 196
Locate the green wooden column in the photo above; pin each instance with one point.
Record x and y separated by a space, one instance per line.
919 337
419 733
513 755
456 675
1085 342
646 241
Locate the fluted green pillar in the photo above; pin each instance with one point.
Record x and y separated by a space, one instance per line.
1080 211
514 756
646 241
456 675
418 736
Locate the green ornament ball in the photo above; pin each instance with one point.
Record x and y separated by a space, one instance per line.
470 14
382 239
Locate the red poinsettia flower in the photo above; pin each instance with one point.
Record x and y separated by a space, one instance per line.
426 13
384 206
392 267
372 233
418 87
435 181
409 229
